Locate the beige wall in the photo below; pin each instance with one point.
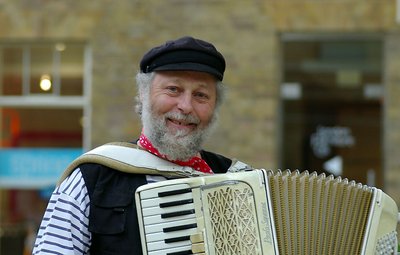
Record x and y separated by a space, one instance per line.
247 32
392 116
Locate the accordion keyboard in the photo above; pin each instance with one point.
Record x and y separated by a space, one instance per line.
170 221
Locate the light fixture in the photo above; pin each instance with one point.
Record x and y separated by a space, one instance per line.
60 46
45 82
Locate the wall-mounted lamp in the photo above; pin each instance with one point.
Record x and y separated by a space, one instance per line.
60 46
45 82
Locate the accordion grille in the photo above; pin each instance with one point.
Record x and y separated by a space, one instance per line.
315 214
233 220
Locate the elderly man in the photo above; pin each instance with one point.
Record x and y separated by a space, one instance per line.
179 91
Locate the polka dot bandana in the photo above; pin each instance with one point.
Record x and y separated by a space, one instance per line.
196 163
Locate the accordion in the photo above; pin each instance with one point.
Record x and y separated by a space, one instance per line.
265 212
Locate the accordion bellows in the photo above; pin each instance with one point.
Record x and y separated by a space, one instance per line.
265 212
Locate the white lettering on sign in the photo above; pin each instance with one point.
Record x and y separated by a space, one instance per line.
334 165
291 91
325 138
373 91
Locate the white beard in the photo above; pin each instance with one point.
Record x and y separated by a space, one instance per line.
182 145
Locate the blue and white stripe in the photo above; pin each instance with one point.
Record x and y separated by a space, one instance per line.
64 228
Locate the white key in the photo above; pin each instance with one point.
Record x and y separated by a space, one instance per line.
157 210
161 236
160 248
156 219
156 201
152 193
159 227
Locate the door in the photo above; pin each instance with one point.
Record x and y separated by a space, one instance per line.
331 101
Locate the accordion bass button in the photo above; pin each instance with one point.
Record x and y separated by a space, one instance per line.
197 248
197 238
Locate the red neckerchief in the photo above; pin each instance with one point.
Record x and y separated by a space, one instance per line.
196 163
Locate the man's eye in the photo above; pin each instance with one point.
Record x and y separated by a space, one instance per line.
172 89
202 95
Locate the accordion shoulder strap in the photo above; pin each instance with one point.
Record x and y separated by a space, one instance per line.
127 157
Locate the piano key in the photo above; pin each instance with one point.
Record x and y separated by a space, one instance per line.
177 213
176 203
152 193
177 239
156 201
149 211
162 248
174 192
156 219
159 227
158 248
169 235
179 227
188 252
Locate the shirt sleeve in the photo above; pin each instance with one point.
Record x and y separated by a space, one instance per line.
64 227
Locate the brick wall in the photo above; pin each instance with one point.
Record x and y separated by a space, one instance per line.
392 118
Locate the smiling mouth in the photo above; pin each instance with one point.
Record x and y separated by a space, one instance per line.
181 123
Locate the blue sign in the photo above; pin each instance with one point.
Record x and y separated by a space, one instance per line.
34 168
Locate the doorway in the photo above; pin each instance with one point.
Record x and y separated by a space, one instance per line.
331 103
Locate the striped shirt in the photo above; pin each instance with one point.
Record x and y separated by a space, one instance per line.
64 228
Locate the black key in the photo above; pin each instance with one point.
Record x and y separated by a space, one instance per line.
177 228
174 192
175 203
188 252
177 239
179 213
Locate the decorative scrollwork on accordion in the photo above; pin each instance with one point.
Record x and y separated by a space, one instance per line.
233 220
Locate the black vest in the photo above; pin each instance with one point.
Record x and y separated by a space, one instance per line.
113 218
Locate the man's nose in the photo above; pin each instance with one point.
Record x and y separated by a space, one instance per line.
185 103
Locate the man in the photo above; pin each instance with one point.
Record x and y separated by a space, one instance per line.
179 91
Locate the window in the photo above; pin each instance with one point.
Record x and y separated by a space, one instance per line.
43 77
44 120
42 69
332 97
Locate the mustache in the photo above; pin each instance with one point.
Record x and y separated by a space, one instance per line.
188 118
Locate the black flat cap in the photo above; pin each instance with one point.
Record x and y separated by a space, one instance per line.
186 54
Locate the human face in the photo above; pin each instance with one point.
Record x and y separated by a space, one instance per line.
179 112
183 92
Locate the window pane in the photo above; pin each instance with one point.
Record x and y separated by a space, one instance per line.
11 65
41 67
41 127
71 69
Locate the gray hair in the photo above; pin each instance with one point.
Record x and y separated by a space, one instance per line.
143 83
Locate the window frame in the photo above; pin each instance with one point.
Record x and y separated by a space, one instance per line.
55 99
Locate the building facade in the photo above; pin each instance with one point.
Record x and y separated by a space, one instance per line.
301 74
